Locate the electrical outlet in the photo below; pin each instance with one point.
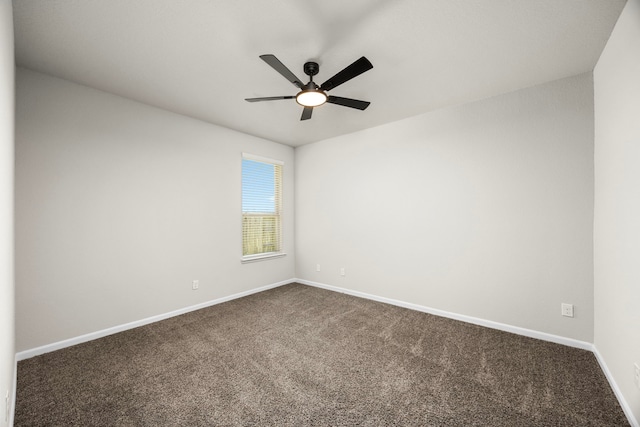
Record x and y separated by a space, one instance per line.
342 272
636 376
317 267
195 284
567 310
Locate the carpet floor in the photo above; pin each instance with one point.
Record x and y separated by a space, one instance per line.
302 356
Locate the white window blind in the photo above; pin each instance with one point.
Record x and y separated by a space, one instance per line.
261 207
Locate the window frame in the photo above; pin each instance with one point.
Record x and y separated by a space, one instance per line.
263 255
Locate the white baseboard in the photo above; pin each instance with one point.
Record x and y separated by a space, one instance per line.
27 354
468 319
616 390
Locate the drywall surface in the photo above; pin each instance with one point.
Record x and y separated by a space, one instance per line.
7 342
617 203
484 209
120 206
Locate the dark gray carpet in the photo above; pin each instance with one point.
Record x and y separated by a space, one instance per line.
297 355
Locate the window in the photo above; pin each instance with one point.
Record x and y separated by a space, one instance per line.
261 208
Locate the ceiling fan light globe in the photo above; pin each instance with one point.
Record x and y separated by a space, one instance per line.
311 98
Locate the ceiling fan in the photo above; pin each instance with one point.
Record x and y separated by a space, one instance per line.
311 95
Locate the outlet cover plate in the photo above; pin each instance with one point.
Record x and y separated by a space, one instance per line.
567 310
636 367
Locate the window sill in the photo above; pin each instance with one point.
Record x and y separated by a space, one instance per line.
261 257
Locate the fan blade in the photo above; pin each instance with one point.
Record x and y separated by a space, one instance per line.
306 113
268 98
348 102
282 69
353 70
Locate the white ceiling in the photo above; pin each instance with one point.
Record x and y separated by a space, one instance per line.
200 57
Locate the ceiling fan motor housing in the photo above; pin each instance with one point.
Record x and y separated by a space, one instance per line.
311 95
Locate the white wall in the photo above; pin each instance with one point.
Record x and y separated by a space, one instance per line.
617 203
119 206
7 349
484 209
